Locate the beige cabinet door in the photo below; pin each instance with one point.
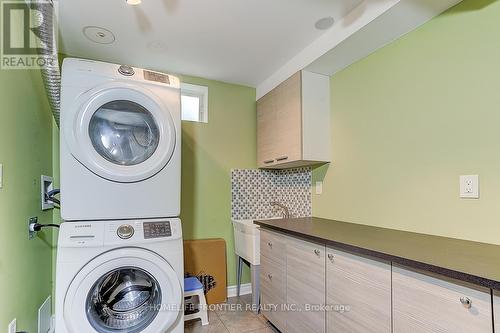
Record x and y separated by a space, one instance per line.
496 310
272 288
425 304
358 294
305 286
266 130
289 120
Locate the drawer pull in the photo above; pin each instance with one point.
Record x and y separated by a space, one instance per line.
270 276
330 256
466 302
317 252
270 244
282 158
268 161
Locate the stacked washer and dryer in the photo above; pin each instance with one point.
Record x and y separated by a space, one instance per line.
120 257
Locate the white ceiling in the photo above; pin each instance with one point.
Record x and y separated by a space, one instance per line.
368 27
237 41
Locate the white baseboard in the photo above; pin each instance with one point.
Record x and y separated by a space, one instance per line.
246 289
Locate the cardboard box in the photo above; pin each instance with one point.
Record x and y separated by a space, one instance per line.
206 259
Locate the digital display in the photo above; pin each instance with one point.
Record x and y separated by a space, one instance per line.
157 229
157 77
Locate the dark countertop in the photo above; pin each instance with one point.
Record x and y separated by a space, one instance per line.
474 262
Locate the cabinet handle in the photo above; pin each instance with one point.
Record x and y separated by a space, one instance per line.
268 161
330 256
466 302
270 244
270 276
317 252
282 158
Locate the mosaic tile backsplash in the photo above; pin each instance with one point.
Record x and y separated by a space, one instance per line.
253 190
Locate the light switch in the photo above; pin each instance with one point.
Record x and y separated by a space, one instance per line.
1 175
319 187
469 187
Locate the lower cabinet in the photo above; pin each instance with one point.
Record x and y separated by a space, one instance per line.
300 279
358 294
273 278
424 304
305 286
272 290
496 310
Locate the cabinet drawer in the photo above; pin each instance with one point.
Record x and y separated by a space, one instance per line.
272 278
272 246
273 310
362 284
305 285
425 304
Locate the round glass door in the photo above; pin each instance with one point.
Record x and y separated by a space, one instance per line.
121 133
124 132
123 300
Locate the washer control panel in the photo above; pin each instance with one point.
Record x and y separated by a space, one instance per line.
125 231
157 229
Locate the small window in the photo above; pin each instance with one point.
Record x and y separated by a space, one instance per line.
194 103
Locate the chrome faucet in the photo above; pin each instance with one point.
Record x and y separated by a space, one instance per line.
286 211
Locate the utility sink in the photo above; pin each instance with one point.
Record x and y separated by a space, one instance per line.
247 248
247 240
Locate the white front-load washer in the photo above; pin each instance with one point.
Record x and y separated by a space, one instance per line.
120 142
120 277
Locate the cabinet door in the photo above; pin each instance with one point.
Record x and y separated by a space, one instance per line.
496 310
289 120
266 130
272 279
305 286
425 304
359 291
272 289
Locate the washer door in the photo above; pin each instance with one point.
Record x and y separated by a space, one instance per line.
125 290
121 132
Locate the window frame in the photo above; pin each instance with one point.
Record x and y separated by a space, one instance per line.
194 90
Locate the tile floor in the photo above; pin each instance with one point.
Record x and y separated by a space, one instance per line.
232 317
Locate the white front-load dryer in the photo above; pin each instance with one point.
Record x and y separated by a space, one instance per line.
120 277
120 142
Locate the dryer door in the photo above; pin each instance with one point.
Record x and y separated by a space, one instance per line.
121 132
125 290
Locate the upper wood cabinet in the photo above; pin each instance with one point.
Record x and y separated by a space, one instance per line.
293 123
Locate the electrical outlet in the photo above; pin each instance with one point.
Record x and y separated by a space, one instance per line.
469 186
46 185
13 326
319 187
32 233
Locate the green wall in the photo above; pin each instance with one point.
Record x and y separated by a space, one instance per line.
26 153
412 117
209 152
